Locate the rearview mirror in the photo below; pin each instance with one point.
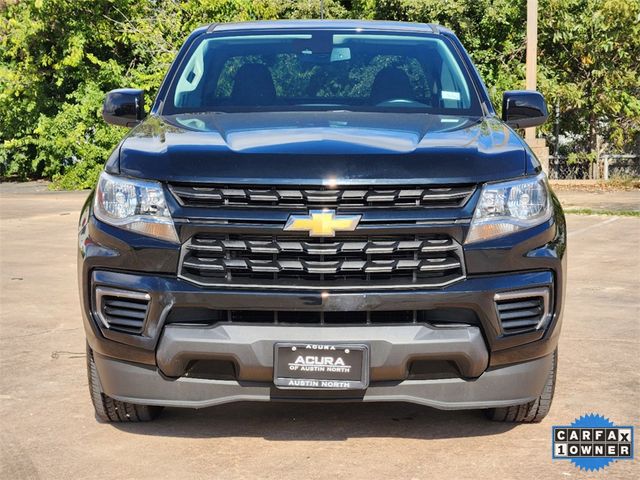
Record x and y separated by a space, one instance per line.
124 107
524 108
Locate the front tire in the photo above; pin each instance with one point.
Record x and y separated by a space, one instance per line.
110 410
532 412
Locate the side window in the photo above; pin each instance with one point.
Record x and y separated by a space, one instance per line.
450 96
453 93
190 80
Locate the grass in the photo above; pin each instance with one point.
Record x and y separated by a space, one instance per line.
590 211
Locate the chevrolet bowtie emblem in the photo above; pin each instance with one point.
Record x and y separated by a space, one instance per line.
322 223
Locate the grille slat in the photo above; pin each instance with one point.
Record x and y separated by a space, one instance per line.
520 313
120 323
127 305
518 305
213 244
336 197
123 312
517 324
352 260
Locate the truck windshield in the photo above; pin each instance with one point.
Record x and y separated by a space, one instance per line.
322 70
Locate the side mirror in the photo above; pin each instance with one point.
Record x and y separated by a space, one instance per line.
124 107
524 108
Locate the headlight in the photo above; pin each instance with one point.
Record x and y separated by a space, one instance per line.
136 205
509 207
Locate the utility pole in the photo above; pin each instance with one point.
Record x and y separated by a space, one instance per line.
532 56
538 145
556 130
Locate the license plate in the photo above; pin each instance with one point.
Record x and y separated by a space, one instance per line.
308 366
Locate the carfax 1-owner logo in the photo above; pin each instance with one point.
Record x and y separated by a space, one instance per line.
592 442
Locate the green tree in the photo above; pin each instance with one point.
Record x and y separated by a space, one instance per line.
56 57
590 63
59 57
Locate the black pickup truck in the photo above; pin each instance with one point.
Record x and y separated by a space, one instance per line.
322 211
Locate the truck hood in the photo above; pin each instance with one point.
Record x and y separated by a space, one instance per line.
317 148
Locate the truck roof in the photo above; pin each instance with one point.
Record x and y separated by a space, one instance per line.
329 24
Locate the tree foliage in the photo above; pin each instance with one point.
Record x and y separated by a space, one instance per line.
59 57
590 52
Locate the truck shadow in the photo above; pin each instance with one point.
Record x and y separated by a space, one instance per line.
318 422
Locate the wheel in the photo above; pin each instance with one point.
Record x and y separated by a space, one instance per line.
111 410
532 412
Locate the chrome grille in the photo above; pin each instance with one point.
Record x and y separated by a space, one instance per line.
343 197
429 260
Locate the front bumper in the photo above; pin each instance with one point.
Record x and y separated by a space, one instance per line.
474 295
493 369
392 349
511 385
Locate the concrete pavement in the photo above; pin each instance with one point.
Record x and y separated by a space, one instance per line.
48 429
